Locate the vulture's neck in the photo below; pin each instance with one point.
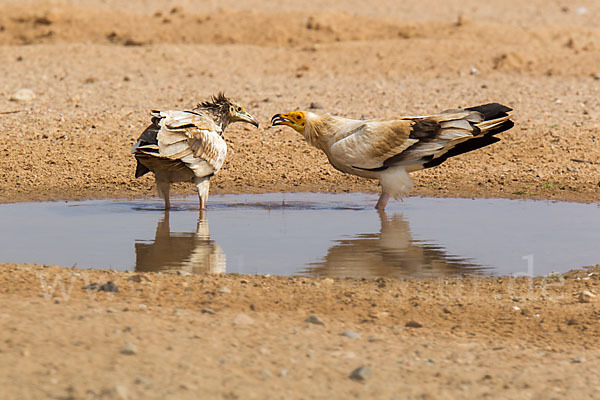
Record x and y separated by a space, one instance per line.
218 114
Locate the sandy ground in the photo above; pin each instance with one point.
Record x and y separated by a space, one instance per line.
97 67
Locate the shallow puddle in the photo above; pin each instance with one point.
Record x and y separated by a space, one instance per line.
307 234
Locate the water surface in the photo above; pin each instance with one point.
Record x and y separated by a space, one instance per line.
307 234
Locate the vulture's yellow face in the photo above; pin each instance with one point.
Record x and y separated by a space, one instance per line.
296 120
237 113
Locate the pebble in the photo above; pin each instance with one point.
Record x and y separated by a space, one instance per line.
283 372
224 290
143 381
129 349
208 311
23 95
183 273
587 297
180 313
315 106
350 334
413 324
111 310
265 373
138 278
109 287
121 391
243 319
474 71
516 308
314 319
361 373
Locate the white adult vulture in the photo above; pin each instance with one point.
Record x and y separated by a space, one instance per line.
388 149
187 146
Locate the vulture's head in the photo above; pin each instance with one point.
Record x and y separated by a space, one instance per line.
226 111
295 119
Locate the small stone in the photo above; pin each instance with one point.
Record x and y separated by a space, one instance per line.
183 273
265 373
327 281
413 324
129 349
314 319
581 11
140 380
596 76
361 373
283 372
75 274
587 297
224 290
315 106
111 310
243 319
208 311
516 308
474 71
109 287
138 278
91 286
23 95
350 334
121 391
577 360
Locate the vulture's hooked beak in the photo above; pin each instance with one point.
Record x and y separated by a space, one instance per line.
250 119
278 119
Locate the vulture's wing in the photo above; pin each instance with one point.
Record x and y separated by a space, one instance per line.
421 142
371 143
183 137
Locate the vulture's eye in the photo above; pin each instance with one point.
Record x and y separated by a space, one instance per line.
238 109
298 117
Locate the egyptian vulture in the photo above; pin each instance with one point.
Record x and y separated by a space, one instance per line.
388 149
187 146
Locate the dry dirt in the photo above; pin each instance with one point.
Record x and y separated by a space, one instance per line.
97 67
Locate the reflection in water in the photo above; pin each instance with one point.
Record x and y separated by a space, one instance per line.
188 251
390 253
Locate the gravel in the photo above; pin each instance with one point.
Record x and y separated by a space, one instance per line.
361 373
314 319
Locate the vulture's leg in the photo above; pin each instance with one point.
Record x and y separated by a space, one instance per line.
383 200
162 187
203 184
